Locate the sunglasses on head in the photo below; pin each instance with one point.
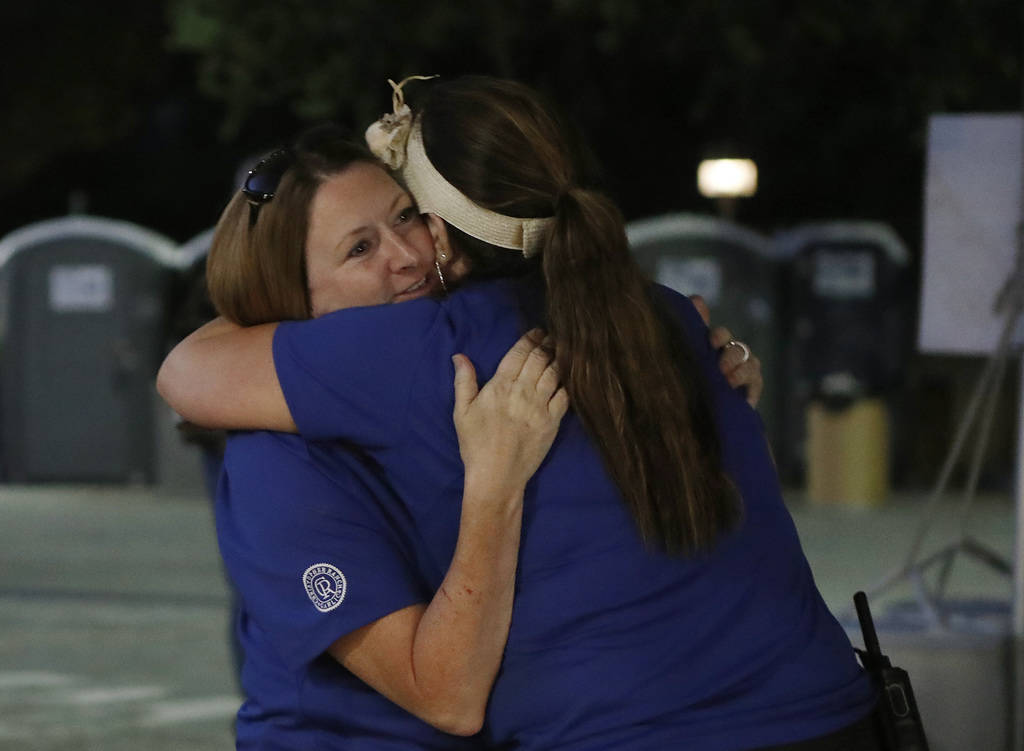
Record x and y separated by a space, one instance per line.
261 183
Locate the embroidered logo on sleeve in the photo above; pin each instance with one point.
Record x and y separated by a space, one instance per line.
325 585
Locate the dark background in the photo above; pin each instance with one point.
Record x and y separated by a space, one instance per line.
144 111
147 108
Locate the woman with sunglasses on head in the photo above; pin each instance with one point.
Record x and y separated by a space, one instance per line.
314 540
662 599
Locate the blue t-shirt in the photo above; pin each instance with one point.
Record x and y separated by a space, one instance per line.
611 645
317 546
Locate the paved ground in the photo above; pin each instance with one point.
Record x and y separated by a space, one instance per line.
112 622
113 609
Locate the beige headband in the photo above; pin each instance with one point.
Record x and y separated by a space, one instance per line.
396 139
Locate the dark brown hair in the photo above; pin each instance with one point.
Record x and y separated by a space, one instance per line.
257 274
631 377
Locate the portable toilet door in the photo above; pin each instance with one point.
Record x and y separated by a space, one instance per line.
849 312
733 269
84 320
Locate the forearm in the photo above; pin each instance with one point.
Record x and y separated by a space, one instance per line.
439 661
461 637
222 376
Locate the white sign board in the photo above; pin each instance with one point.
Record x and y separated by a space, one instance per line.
691 276
85 288
844 276
973 204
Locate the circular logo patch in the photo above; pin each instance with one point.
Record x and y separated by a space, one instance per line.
325 585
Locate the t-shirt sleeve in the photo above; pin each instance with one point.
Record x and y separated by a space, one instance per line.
350 374
313 542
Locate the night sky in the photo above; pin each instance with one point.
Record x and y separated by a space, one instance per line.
100 108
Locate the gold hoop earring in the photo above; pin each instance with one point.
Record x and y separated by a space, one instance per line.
441 276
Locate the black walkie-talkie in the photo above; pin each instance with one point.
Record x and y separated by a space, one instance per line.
898 718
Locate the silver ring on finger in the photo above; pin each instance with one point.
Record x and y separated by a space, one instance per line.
741 345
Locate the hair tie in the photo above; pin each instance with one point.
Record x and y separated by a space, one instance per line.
388 135
565 193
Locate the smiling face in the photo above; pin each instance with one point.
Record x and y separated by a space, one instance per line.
367 244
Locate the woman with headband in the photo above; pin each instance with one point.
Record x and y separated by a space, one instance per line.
662 599
287 507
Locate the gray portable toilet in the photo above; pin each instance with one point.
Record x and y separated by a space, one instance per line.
732 268
82 335
179 469
848 320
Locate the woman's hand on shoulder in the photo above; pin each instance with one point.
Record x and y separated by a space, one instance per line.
506 428
739 365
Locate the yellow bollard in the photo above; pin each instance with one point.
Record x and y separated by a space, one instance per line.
848 453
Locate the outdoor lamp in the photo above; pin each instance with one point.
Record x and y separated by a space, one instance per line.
727 178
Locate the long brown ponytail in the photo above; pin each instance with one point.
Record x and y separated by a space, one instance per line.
630 375
641 399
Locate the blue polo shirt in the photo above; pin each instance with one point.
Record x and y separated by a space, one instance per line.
317 546
611 645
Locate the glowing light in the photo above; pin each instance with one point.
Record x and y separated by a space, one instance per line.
727 178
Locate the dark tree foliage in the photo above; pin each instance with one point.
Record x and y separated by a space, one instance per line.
66 87
830 97
94 104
